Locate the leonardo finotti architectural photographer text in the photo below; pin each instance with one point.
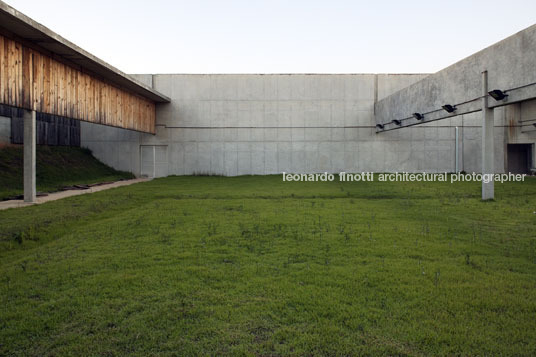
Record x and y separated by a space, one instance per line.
404 176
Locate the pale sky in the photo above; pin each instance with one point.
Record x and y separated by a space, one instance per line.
277 36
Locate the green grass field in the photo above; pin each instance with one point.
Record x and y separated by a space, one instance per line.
57 166
254 266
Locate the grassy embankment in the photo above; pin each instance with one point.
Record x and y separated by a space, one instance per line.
57 166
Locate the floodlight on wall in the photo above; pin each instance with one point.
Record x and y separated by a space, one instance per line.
449 108
498 94
397 122
418 116
379 126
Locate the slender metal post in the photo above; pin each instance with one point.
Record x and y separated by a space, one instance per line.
488 189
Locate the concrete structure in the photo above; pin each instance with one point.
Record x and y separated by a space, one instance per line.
29 156
506 67
41 71
264 124
488 167
510 65
267 124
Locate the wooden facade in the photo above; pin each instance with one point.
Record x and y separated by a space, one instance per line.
34 81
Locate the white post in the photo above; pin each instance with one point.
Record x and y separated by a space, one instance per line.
488 191
457 152
29 156
154 161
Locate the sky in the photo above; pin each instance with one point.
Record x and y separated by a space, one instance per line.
278 36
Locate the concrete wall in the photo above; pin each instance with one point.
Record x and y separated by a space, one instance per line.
510 64
519 120
5 130
265 124
524 115
116 147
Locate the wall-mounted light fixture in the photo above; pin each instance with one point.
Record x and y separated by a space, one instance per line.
379 126
397 121
497 94
418 116
449 108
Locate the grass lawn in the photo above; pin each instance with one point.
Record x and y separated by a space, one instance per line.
255 266
57 167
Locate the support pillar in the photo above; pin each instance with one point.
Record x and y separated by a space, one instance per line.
488 188
29 156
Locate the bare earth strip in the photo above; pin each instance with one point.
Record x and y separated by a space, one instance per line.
68 193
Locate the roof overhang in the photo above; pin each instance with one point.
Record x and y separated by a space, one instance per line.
20 27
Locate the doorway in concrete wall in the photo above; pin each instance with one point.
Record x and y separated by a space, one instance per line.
519 158
153 161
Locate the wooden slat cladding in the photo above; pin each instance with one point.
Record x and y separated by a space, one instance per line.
31 80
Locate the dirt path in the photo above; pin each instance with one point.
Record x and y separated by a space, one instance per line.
62 194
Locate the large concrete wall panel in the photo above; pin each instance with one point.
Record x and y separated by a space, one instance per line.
510 64
266 124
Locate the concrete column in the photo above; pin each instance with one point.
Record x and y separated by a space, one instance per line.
29 156
488 189
457 151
